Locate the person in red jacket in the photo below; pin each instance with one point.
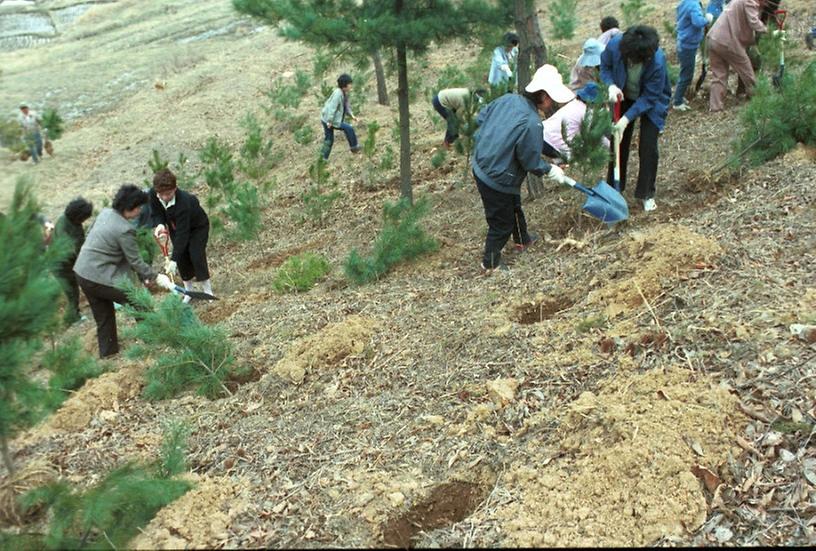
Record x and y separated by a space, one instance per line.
180 214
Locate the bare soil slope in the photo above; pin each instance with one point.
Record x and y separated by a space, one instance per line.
628 386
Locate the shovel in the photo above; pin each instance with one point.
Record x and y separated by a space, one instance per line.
704 70
780 16
194 294
603 202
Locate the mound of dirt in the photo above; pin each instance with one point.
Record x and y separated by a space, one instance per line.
334 343
648 260
625 478
102 393
197 520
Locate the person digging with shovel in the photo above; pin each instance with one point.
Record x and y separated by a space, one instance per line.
633 66
509 142
178 214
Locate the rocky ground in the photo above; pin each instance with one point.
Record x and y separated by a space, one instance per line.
631 386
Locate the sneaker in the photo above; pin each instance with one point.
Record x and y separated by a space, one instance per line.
356 149
649 205
522 247
502 267
682 107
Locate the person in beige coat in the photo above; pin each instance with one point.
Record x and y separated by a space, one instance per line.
728 41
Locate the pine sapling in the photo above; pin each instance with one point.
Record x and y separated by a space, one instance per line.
300 273
563 18
588 152
321 195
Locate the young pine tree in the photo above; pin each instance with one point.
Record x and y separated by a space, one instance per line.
29 299
588 154
563 18
398 27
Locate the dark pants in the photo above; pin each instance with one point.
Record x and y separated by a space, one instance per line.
192 262
504 218
101 298
67 279
687 60
647 150
328 138
451 133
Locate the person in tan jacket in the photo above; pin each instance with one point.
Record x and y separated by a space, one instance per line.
728 41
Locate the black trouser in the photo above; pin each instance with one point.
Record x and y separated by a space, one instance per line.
647 150
192 262
69 284
504 218
101 298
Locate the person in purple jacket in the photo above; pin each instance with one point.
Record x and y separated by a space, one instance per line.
634 67
691 24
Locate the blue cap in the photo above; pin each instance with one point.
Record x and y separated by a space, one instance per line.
588 93
592 53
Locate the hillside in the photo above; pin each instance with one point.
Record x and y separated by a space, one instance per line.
631 386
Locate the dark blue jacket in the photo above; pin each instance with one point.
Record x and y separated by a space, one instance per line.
508 144
715 8
655 89
691 24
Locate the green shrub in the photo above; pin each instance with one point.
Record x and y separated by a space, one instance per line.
563 18
371 169
257 157
11 136
243 208
673 72
321 195
387 159
438 158
109 514
156 163
185 352
634 11
400 239
52 124
304 135
588 154
778 118
300 273
148 248
70 367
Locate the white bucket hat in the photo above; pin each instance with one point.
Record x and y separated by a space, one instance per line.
548 78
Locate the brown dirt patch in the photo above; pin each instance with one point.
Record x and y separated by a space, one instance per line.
624 476
276 259
446 505
33 475
537 311
199 519
647 260
327 348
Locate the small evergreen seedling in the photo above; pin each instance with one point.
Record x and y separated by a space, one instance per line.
244 210
634 11
70 367
52 123
148 248
588 154
186 352
321 195
156 163
371 170
438 158
300 273
563 18
400 239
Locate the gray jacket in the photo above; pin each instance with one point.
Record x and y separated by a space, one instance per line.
110 251
335 108
508 144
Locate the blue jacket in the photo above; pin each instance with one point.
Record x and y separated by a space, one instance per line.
655 89
715 8
508 144
690 24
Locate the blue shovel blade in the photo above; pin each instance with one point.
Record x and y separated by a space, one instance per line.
605 203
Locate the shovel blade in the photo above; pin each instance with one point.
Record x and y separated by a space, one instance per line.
195 294
605 203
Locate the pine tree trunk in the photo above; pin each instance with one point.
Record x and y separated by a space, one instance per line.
382 91
404 115
531 47
4 450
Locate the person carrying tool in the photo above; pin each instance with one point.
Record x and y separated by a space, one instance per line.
633 66
691 24
504 57
568 118
450 103
69 225
179 214
109 255
30 122
508 146
333 117
728 40
587 68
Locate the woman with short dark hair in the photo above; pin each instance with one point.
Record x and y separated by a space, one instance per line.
109 255
69 227
634 67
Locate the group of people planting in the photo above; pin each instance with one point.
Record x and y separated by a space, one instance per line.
518 133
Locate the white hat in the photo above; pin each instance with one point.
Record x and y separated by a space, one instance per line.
548 78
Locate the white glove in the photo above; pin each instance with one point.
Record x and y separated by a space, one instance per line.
615 93
506 69
779 33
164 282
170 266
158 230
619 127
557 174
709 17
